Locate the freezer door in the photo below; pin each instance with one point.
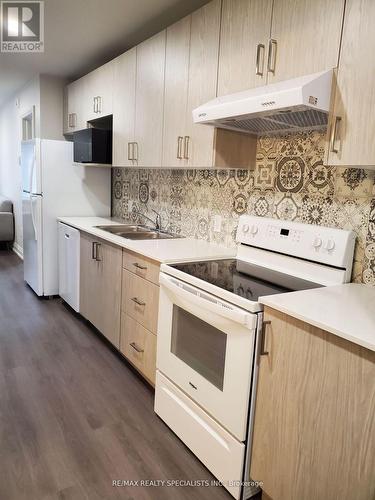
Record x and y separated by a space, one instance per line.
32 241
30 167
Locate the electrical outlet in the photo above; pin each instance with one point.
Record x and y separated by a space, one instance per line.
217 223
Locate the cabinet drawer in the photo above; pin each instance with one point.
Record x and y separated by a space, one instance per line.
140 300
141 266
139 346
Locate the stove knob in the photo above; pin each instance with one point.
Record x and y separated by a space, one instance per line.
317 243
245 228
330 245
254 230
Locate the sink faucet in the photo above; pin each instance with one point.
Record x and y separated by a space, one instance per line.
156 223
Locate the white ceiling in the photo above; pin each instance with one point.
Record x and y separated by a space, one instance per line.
80 35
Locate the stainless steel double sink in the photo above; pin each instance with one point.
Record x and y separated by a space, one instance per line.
138 232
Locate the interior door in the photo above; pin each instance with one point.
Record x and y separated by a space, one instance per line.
305 37
245 31
124 108
150 101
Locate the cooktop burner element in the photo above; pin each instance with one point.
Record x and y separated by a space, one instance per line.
244 279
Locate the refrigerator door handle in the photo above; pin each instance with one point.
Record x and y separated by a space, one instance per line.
32 216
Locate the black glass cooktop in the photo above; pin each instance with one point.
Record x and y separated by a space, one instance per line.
244 279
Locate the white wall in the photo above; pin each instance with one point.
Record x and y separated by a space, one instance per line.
46 94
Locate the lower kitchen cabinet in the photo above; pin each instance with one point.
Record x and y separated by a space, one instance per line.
139 346
100 286
314 432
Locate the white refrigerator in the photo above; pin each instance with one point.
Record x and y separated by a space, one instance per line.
53 186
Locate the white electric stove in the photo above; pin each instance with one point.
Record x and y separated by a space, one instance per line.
210 329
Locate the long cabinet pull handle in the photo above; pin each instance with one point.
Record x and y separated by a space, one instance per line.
334 134
263 351
260 48
179 147
97 258
186 147
135 151
135 347
93 250
69 120
139 266
138 302
272 52
99 104
129 151
74 119
94 104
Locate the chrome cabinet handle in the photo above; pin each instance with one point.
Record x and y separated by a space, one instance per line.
97 258
139 266
186 147
74 119
99 104
260 48
179 147
69 120
94 104
263 351
334 134
129 151
135 151
138 302
272 52
135 347
93 250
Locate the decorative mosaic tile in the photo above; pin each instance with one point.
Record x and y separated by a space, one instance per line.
289 182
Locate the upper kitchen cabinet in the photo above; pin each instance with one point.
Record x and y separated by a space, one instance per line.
149 102
203 63
176 91
245 32
74 95
305 37
124 108
98 100
352 128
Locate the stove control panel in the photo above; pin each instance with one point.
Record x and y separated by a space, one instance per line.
316 243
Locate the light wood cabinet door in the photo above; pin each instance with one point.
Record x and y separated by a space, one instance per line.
139 346
352 128
307 35
124 108
75 95
245 31
176 91
140 300
314 432
99 93
100 288
204 53
150 101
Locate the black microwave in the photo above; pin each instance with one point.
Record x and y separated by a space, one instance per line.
92 145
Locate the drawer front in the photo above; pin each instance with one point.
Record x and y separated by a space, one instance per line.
220 452
139 346
140 300
141 266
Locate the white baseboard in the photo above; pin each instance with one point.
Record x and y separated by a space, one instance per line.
18 250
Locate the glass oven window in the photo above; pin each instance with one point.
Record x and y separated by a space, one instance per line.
200 345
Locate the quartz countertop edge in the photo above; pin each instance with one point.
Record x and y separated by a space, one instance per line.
347 310
166 251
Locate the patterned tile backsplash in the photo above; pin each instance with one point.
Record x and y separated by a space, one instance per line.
289 182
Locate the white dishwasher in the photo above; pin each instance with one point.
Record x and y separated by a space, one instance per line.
69 264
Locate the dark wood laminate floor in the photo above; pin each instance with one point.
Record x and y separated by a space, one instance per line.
73 415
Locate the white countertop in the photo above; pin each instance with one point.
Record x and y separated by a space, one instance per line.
166 251
344 310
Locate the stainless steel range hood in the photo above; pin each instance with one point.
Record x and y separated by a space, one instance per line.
293 105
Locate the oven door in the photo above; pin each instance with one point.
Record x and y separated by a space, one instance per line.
206 347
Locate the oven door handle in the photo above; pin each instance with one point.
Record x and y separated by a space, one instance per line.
197 298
